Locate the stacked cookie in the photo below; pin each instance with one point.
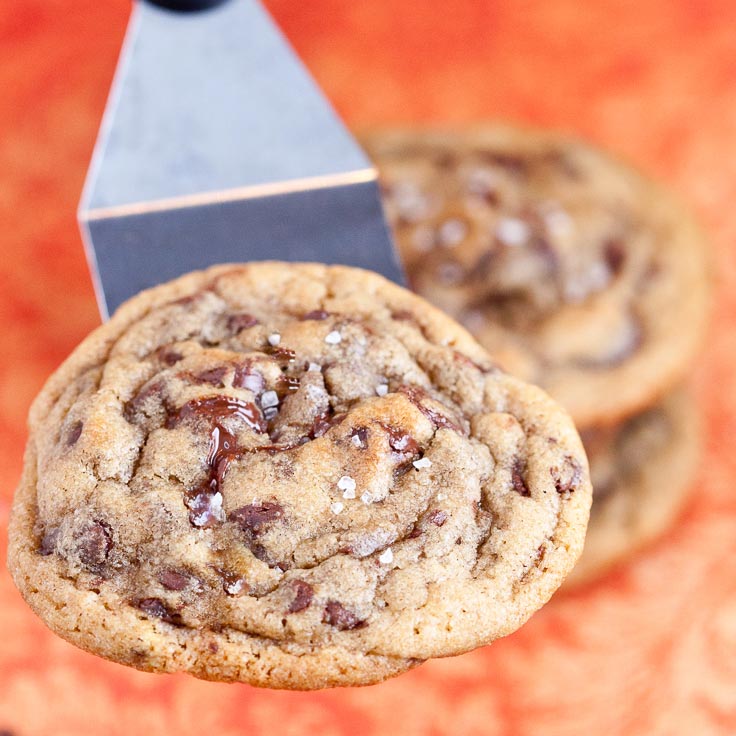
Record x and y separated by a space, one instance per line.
577 274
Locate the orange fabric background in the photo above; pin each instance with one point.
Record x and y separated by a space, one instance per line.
650 649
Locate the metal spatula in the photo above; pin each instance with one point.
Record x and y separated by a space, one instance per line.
217 146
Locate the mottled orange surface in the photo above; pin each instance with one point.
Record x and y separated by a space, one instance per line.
650 649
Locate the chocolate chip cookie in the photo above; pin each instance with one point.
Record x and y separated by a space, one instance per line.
573 270
642 471
295 476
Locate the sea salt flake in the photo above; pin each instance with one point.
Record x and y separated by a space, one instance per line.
386 557
512 231
315 367
440 496
424 462
366 498
269 399
337 507
347 484
274 339
235 587
333 338
382 389
357 442
452 232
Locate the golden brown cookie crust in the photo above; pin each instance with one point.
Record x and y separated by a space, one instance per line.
291 475
576 272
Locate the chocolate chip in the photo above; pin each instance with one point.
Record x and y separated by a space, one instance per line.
335 614
514 164
156 608
168 355
74 433
568 476
137 404
94 544
324 421
517 478
402 469
438 517
315 314
614 254
47 545
238 322
418 396
303 593
415 532
213 376
254 517
173 580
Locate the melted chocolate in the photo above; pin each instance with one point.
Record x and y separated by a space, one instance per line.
215 408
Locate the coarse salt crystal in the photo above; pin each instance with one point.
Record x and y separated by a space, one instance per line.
386 557
382 389
333 338
269 399
440 497
357 442
337 507
274 339
512 231
424 462
347 484
315 367
366 498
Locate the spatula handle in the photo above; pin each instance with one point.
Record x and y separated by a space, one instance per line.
186 5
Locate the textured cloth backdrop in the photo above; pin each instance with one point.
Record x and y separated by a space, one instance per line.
650 649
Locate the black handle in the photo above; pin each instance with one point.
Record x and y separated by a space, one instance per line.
187 5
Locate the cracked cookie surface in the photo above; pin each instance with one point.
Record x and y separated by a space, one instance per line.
577 273
291 475
642 472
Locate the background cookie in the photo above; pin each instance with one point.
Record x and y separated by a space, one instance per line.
291 475
569 267
642 471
